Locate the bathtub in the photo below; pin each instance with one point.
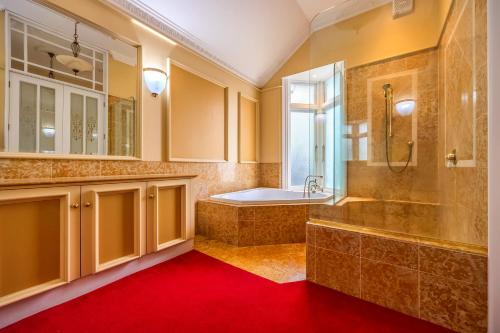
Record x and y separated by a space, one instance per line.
267 196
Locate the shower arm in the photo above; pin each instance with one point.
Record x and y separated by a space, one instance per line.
389 105
388 94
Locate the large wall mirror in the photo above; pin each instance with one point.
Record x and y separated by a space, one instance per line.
66 88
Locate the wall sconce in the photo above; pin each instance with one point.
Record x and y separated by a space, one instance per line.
156 80
405 107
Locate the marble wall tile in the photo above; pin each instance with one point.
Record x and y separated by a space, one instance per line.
270 175
420 182
311 263
67 168
454 304
388 251
25 168
391 286
461 266
339 271
246 232
338 240
268 232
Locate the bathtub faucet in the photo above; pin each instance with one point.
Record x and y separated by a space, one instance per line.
311 184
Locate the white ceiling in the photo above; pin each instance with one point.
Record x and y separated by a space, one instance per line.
252 38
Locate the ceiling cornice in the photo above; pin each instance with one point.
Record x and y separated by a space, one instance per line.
146 15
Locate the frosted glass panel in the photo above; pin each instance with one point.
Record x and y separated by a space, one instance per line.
302 94
92 124
47 119
340 145
27 117
301 146
76 116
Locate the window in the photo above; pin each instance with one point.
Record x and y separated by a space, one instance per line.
315 142
302 93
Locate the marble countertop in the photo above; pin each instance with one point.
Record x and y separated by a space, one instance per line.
93 179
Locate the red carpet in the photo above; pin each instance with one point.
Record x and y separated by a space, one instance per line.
196 293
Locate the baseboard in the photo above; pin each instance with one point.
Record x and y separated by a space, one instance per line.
14 312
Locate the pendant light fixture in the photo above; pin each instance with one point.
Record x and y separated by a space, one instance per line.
76 64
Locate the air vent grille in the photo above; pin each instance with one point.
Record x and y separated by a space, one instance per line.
401 8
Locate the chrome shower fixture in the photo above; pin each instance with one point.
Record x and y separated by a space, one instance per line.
389 107
388 102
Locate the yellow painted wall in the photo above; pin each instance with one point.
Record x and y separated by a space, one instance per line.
155 52
270 125
122 79
363 39
2 76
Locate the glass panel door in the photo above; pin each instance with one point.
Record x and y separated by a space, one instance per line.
27 117
86 122
91 125
35 115
76 123
47 120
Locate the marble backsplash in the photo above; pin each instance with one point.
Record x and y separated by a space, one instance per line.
213 178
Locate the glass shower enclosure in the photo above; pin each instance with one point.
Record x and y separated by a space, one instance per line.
314 129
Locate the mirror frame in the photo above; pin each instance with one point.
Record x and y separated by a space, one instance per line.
139 91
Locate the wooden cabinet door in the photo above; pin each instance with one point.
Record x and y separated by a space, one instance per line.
39 240
170 213
113 225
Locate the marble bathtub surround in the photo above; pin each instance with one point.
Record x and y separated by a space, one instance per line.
252 225
442 283
280 263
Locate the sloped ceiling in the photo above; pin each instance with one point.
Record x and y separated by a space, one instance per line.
251 38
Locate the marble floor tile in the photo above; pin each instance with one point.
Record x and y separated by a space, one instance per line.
280 263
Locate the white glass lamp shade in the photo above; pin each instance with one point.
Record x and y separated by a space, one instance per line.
77 65
405 107
156 80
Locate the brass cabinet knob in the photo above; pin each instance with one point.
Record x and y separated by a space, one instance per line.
88 204
75 205
151 196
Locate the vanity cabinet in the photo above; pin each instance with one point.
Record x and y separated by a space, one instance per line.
113 225
170 213
54 232
39 240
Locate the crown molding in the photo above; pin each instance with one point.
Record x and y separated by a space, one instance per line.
146 15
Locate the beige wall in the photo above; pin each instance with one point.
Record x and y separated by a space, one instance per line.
270 125
122 79
2 76
155 52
